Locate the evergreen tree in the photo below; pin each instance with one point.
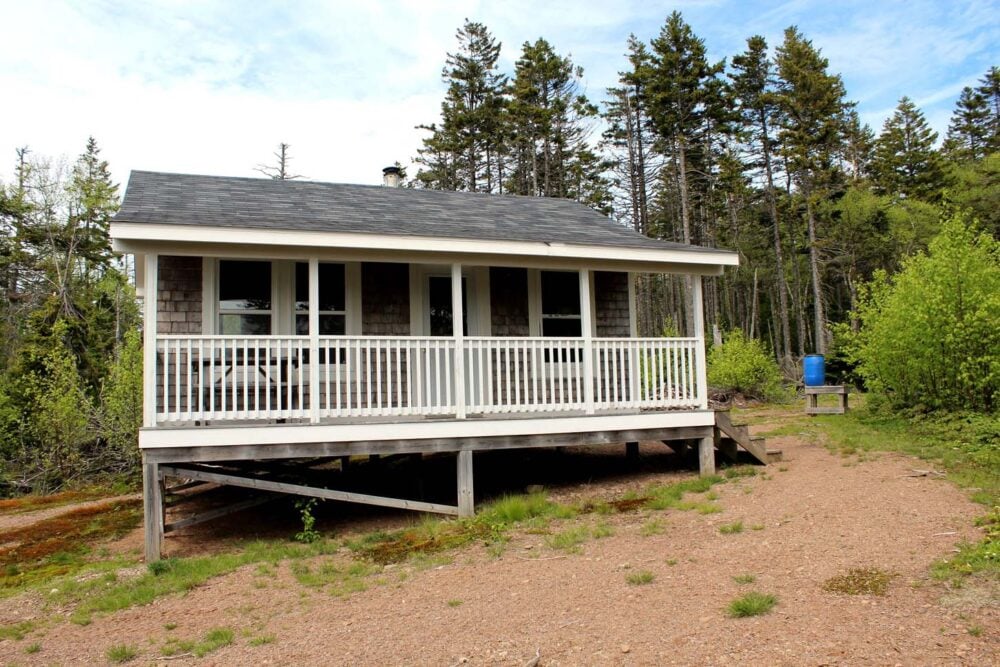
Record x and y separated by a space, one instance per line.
859 147
812 104
753 87
679 99
472 118
93 200
990 91
968 133
906 162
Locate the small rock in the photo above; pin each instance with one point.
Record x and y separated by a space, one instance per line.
626 648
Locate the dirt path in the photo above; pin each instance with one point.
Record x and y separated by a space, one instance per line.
810 518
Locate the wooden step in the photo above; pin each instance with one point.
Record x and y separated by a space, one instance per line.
740 434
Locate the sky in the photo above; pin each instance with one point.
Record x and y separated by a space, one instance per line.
213 86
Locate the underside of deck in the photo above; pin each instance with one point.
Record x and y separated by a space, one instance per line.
195 453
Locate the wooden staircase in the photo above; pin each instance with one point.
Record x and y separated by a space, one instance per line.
729 437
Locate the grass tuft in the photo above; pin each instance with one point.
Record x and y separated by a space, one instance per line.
731 528
744 578
751 604
120 653
640 578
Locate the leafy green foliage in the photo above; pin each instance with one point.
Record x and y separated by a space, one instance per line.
929 334
308 534
121 404
742 365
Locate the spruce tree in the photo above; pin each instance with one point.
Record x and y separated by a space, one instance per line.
906 162
968 133
812 104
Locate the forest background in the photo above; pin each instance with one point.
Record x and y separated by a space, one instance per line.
876 249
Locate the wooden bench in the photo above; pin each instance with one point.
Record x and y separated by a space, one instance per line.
812 399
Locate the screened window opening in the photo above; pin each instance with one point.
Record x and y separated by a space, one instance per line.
332 299
245 298
561 304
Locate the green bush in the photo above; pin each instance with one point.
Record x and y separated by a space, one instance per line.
121 406
742 365
929 335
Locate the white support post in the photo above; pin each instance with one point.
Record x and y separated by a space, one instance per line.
698 316
587 328
457 317
466 497
314 340
149 324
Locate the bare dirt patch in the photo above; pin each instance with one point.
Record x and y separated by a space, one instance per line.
807 520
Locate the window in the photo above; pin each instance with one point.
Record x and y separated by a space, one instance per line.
561 304
439 306
332 299
245 298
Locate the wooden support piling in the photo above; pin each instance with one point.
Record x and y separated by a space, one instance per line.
706 456
466 499
631 450
152 510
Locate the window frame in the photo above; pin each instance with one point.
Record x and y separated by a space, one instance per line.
543 316
295 302
221 312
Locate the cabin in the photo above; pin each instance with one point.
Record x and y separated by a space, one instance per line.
293 320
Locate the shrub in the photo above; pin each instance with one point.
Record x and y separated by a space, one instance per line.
121 405
751 604
929 335
742 365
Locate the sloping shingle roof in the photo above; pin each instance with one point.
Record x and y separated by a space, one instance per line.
259 203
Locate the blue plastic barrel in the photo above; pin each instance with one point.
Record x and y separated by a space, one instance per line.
814 370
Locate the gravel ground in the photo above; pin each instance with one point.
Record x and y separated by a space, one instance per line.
812 517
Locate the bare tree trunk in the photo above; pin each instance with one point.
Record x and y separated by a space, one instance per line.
779 269
819 321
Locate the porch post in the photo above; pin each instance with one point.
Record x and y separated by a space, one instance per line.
457 317
586 329
152 509
149 325
314 340
698 317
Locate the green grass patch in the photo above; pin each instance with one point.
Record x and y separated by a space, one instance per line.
261 640
17 631
602 530
213 640
731 528
651 527
640 578
31 649
120 653
744 579
454 603
569 539
751 604
860 581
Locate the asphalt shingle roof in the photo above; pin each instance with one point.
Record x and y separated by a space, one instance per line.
259 203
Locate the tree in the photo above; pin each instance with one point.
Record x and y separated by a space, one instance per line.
812 104
753 87
550 127
465 151
906 162
280 170
679 98
928 334
968 133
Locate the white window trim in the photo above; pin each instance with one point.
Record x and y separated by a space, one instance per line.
477 286
296 312
535 315
282 295
218 311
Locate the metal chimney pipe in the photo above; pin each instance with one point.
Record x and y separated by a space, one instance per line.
391 177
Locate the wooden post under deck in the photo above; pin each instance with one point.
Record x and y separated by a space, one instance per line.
706 456
152 509
466 499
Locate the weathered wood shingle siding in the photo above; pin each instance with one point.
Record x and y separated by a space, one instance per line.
508 302
611 304
385 299
178 307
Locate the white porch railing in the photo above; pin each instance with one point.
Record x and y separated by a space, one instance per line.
243 378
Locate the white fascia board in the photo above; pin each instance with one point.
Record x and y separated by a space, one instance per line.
279 434
132 231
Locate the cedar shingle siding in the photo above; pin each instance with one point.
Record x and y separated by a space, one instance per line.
178 308
611 304
508 302
385 299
